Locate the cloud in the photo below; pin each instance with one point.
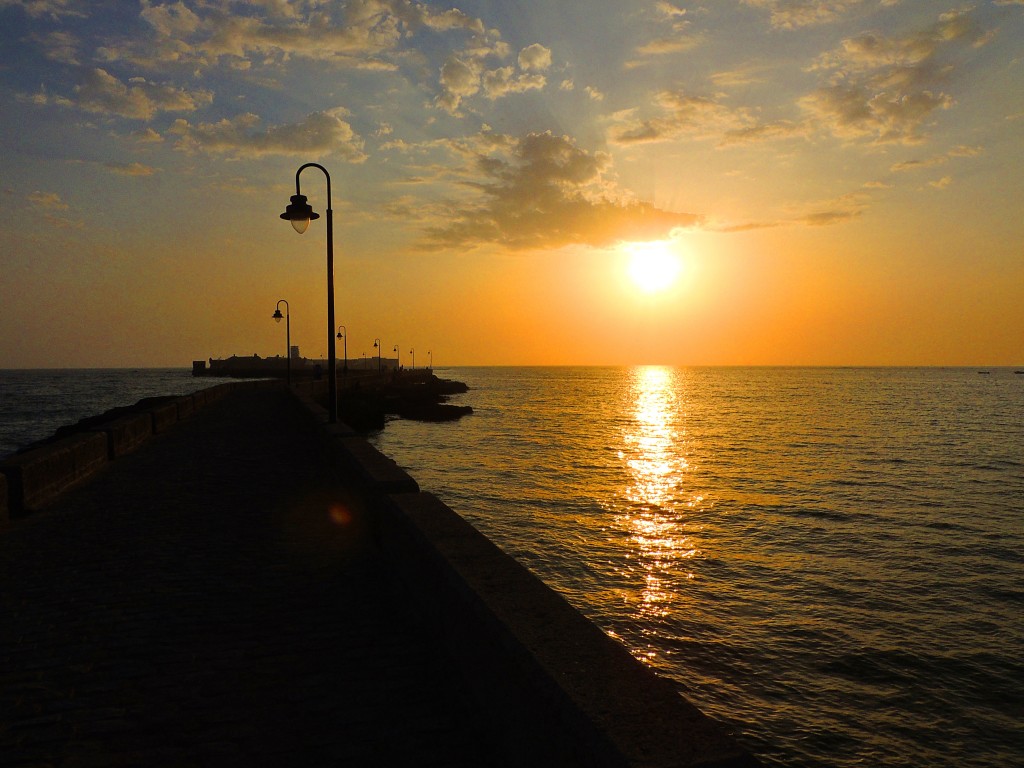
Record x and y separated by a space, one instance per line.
931 162
542 191
102 93
52 8
853 111
534 58
791 14
48 201
359 33
62 47
886 88
464 75
147 136
130 169
320 134
459 79
942 183
682 114
503 81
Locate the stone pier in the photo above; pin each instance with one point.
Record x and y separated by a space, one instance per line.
247 585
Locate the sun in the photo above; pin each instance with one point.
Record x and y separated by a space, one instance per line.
653 266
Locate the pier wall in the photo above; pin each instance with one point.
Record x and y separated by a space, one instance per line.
545 674
34 477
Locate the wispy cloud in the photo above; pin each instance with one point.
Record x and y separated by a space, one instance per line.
54 9
886 88
682 114
320 134
544 191
935 160
49 201
129 169
791 14
139 99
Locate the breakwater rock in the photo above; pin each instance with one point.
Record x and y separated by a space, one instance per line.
366 402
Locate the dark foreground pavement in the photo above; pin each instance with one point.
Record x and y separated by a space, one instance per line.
216 599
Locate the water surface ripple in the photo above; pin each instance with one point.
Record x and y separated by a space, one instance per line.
828 559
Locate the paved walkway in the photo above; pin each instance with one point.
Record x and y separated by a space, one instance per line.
214 600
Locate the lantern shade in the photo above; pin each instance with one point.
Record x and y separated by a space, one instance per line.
299 213
277 315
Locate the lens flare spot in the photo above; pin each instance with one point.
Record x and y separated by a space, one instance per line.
339 514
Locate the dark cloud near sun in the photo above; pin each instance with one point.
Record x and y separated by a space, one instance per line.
543 191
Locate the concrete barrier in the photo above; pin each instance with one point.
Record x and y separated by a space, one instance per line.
126 433
164 416
5 506
375 471
522 644
186 406
38 476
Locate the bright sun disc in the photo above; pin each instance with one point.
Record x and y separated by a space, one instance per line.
653 266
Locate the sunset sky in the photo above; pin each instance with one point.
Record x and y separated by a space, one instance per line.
833 182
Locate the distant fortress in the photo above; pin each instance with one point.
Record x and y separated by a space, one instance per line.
254 366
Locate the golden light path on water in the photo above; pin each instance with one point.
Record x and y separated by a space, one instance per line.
655 510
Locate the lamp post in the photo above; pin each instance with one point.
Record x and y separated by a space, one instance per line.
287 333
431 353
413 353
344 336
377 345
398 357
299 213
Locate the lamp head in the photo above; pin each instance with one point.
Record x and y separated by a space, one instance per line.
339 334
277 315
299 213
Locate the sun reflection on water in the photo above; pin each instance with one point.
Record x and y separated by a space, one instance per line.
656 501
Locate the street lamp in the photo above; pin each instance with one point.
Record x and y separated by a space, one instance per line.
413 353
377 345
299 213
431 353
344 336
287 333
398 358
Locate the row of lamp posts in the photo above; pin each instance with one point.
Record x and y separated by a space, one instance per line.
299 213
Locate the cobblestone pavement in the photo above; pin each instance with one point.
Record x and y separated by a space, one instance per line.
214 599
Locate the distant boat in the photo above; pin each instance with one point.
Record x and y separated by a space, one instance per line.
1019 373
984 373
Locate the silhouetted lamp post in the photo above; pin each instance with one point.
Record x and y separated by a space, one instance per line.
377 345
413 353
287 334
431 353
344 365
398 357
299 213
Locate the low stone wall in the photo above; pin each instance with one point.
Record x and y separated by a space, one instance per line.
35 477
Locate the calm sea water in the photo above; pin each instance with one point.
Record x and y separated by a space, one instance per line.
35 403
830 560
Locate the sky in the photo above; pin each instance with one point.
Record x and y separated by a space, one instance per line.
514 182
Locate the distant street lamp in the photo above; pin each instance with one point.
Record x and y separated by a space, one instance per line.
344 365
413 353
377 345
431 353
398 357
287 334
299 213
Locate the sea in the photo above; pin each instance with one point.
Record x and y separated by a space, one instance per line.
828 560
